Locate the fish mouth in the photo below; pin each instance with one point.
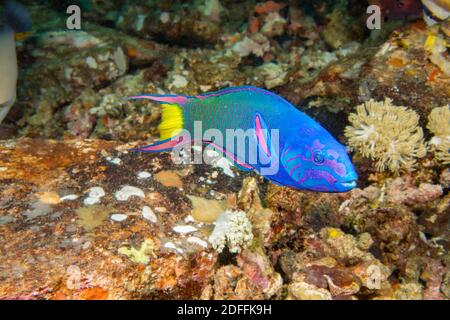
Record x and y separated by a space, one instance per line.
349 184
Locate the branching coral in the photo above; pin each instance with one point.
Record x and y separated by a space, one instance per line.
439 125
232 229
387 134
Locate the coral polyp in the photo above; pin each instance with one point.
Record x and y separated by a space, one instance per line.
439 125
389 135
232 229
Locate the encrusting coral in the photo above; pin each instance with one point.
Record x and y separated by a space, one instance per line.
388 134
232 229
439 125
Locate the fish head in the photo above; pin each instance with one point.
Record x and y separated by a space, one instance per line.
318 164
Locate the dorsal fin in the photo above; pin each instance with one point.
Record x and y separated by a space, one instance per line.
163 98
240 89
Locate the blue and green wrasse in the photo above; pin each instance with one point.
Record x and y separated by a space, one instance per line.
305 154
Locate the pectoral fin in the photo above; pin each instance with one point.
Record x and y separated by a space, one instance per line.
238 163
262 135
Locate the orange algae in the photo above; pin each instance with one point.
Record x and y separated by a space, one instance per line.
95 293
169 179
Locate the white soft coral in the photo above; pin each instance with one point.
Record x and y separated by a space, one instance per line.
233 229
390 135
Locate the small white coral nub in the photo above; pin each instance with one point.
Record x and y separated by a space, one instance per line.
388 134
439 125
233 229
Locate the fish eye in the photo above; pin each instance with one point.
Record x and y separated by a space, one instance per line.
318 157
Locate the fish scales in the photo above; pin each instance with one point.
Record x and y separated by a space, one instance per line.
280 142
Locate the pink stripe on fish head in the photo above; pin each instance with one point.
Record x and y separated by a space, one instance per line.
293 169
338 168
317 145
320 174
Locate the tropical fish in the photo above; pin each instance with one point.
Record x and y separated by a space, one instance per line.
16 19
435 10
306 155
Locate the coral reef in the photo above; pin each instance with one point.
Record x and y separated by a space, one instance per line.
82 217
392 63
284 244
438 124
387 134
232 229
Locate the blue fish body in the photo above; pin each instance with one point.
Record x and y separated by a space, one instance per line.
259 130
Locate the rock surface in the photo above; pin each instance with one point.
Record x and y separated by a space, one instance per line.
57 245
79 220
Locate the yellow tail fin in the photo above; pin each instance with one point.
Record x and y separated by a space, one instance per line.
172 121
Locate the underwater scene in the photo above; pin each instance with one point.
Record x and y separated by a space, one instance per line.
224 150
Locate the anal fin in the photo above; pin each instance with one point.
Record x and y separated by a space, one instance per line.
163 145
